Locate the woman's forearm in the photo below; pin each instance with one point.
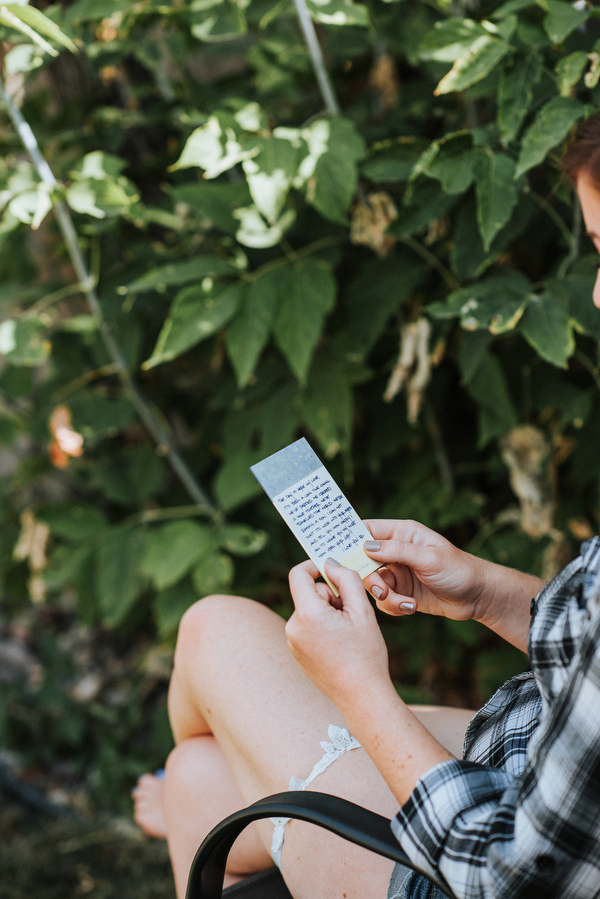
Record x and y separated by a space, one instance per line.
505 604
400 746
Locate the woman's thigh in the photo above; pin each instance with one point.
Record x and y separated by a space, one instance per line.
235 677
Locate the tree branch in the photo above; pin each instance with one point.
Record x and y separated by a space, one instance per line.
316 55
87 287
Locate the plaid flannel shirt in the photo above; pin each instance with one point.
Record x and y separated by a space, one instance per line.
519 816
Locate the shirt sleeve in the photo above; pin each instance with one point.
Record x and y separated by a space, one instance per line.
482 834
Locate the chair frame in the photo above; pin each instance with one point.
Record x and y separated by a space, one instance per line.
346 819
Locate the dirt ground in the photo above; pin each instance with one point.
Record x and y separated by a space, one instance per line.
56 858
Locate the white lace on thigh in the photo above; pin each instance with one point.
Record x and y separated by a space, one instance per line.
341 741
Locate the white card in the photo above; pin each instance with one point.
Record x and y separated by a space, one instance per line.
315 508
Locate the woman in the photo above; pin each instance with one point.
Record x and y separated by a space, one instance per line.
251 699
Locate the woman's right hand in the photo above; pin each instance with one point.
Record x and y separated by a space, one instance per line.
425 572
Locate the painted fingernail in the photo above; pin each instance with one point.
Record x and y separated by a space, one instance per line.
333 562
376 591
373 545
406 606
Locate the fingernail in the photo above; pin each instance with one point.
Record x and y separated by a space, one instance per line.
376 591
373 545
406 606
333 562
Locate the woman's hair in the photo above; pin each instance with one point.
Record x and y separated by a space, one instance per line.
582 154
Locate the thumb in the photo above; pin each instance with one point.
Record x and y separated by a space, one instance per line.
349 585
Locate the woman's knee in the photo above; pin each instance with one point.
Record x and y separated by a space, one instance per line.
186 762
204 618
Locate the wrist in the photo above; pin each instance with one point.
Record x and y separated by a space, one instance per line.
357 700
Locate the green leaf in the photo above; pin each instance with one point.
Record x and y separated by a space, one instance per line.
214 201
197 313
338 12
213 574
67 565
41 23
487 387
173 549
450 39
474 347
270 173
376 294
218 20
118 579
131 476
248 333
75 523
306 294
170 606
31 206
258 427
24 342
450 160
89 10
550 127
96 415
242 540
33 23
468 256
562 19
391 161
497 303
584 315
215 147
547 328
98 166
255 232
497 193
175 273
482 57
423 204
330 170
569 70
327 405
23 58
515 94
512 6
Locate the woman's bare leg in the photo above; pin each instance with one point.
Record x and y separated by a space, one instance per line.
199 791
236 681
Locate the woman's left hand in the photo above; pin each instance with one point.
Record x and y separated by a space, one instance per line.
336 640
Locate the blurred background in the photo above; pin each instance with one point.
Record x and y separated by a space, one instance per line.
226 224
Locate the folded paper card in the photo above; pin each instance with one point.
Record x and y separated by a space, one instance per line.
314 507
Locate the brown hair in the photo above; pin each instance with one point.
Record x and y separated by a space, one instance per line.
582 154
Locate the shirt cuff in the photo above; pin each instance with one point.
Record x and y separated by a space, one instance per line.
445 823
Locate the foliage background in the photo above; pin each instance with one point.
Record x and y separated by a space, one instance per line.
394 270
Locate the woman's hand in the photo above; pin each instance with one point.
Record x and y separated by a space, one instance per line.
426 572
336 640
423 571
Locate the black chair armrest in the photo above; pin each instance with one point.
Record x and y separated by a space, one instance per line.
344 818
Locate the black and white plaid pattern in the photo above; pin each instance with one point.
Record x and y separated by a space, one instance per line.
519 816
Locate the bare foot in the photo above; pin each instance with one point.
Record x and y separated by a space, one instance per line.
148 810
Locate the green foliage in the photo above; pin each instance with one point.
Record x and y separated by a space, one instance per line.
257 261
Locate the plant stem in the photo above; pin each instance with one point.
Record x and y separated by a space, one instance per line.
316 55
86 284
431 260
575 241
553 214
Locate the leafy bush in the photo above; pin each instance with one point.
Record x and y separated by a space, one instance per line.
377 252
